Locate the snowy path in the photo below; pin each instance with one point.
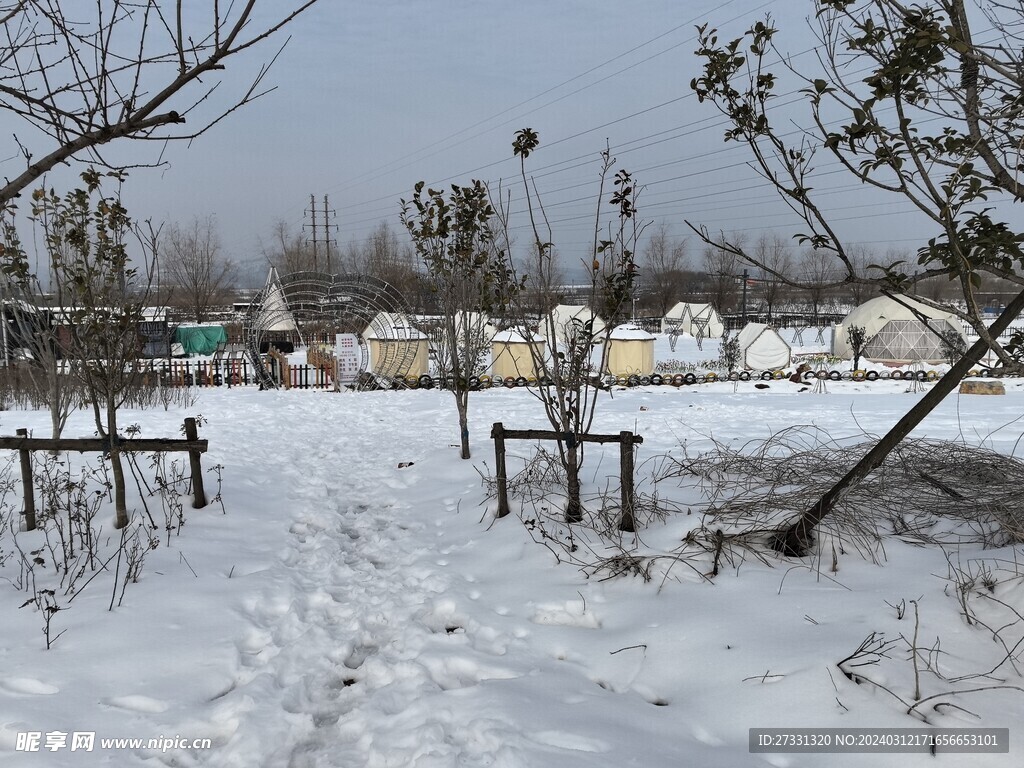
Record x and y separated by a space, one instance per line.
367 648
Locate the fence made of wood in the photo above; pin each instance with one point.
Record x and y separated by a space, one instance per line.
25 445
625 439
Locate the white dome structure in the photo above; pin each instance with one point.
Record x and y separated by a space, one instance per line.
896 332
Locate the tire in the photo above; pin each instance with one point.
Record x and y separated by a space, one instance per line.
633 381
412 382
657 380
509 382
922 375
835 376
871 376
744 375
690 378
778 375
733 376
474 383
426 382
485 382
217 379
521 381
859 375
710 376
766 376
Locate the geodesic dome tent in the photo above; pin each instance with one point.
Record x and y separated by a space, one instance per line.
762 348
896 332
693 319
630 352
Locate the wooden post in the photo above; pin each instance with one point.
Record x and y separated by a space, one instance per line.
26 481
198 491
627 522
498 433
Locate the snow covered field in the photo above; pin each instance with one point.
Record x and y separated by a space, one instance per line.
356 604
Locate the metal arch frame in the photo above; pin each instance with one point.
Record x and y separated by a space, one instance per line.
348 304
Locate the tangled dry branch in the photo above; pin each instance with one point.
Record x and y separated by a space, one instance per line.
927 491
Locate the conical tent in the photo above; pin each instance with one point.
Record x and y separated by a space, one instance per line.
896 332
694 319
274 313
762 348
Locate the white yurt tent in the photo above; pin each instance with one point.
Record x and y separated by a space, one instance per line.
478 323
511 355
571 320
630 352
762 348
397 349
896 333
693 319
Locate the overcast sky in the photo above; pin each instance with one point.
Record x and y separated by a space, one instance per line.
372 97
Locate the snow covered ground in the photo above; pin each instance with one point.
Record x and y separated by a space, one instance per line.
357 605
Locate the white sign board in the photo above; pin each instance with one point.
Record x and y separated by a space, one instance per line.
349 357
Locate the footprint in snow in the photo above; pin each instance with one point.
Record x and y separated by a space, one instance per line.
136 703
28 685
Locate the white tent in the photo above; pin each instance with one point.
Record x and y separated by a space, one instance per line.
895 331
630 351
478 323
762 348
570 320
512 356
397 349
274 314
693 319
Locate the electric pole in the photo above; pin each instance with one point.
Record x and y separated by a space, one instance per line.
325 226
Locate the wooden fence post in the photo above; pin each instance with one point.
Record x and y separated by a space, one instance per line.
498 433
195 462
627 522
26 481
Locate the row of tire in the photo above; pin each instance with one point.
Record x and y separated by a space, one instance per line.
681 379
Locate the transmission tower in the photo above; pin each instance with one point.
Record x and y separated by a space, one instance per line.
321 226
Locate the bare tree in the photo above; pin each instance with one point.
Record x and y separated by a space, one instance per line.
382 255
819 277
772 251
288 251
663 275
86 74
190 259
571 364
722 267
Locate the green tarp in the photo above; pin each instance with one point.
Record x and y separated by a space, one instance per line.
200 339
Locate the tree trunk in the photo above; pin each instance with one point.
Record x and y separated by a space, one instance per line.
573 507
796 540
117 469
463 407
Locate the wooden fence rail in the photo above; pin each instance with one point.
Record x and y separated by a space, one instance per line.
625 439
25 445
